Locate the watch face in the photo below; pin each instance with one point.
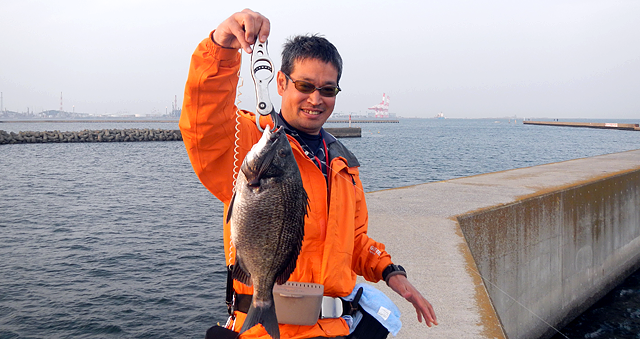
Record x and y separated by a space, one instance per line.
388 271
392 268
396 268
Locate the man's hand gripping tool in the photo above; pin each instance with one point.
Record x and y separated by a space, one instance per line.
262 73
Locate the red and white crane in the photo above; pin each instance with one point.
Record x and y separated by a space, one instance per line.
382 109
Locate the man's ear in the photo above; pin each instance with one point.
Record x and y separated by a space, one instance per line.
281 81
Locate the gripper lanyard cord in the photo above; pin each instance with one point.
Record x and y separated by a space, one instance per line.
231 321
236 153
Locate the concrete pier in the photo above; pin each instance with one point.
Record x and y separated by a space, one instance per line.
365 121
345 132
601 125
513 254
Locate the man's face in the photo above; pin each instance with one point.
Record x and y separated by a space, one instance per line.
307 112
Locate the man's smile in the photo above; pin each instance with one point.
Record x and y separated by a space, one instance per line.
311 111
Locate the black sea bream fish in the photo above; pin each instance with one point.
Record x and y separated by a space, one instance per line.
267 215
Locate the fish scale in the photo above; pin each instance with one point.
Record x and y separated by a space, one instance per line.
267 215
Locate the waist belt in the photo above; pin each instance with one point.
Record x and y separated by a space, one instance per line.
242 302
331 307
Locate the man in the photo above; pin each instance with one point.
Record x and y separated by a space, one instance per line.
336 247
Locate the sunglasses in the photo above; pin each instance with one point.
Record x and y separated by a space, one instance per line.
308 88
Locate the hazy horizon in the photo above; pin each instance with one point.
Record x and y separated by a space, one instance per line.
489 59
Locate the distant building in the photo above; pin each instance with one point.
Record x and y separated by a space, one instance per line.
175 109
175 113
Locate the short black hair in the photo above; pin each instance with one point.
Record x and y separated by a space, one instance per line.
314 46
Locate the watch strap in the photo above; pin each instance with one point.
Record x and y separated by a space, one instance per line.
392 270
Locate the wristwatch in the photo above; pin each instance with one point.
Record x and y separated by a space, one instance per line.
392 270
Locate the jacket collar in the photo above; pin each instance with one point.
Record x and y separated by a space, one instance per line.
328 138
335 148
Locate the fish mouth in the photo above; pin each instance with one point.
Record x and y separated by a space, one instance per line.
259 159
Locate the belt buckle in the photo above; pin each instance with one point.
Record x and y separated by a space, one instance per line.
331 308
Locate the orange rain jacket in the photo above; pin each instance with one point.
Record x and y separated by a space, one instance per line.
336 246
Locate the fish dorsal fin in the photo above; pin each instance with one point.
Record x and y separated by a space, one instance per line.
233 198
240 273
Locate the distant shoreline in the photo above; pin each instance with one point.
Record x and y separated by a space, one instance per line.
92 121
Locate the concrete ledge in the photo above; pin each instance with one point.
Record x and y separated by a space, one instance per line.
545 241
345 132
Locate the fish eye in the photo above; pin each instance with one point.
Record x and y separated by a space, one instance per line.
282 153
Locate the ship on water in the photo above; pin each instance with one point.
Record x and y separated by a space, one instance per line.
439 116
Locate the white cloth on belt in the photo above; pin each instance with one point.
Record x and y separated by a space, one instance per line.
378 305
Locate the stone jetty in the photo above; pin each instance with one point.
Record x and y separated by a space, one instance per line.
122 135
105 135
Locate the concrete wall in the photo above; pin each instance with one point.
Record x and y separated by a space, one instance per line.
513 254
558 252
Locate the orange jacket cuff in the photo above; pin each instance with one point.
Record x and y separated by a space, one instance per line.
220 52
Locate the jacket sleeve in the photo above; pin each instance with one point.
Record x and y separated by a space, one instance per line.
369 256
208 115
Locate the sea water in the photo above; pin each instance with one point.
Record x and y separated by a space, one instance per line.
120 240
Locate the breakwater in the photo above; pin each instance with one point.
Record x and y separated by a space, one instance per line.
602 125
85 121
123 135
105 135
365 121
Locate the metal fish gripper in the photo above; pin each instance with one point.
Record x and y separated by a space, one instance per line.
262 72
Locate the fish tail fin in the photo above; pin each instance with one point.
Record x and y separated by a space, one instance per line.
265 315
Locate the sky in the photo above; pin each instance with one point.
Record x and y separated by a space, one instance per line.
466 59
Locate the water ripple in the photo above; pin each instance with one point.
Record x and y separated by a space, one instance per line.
122 241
